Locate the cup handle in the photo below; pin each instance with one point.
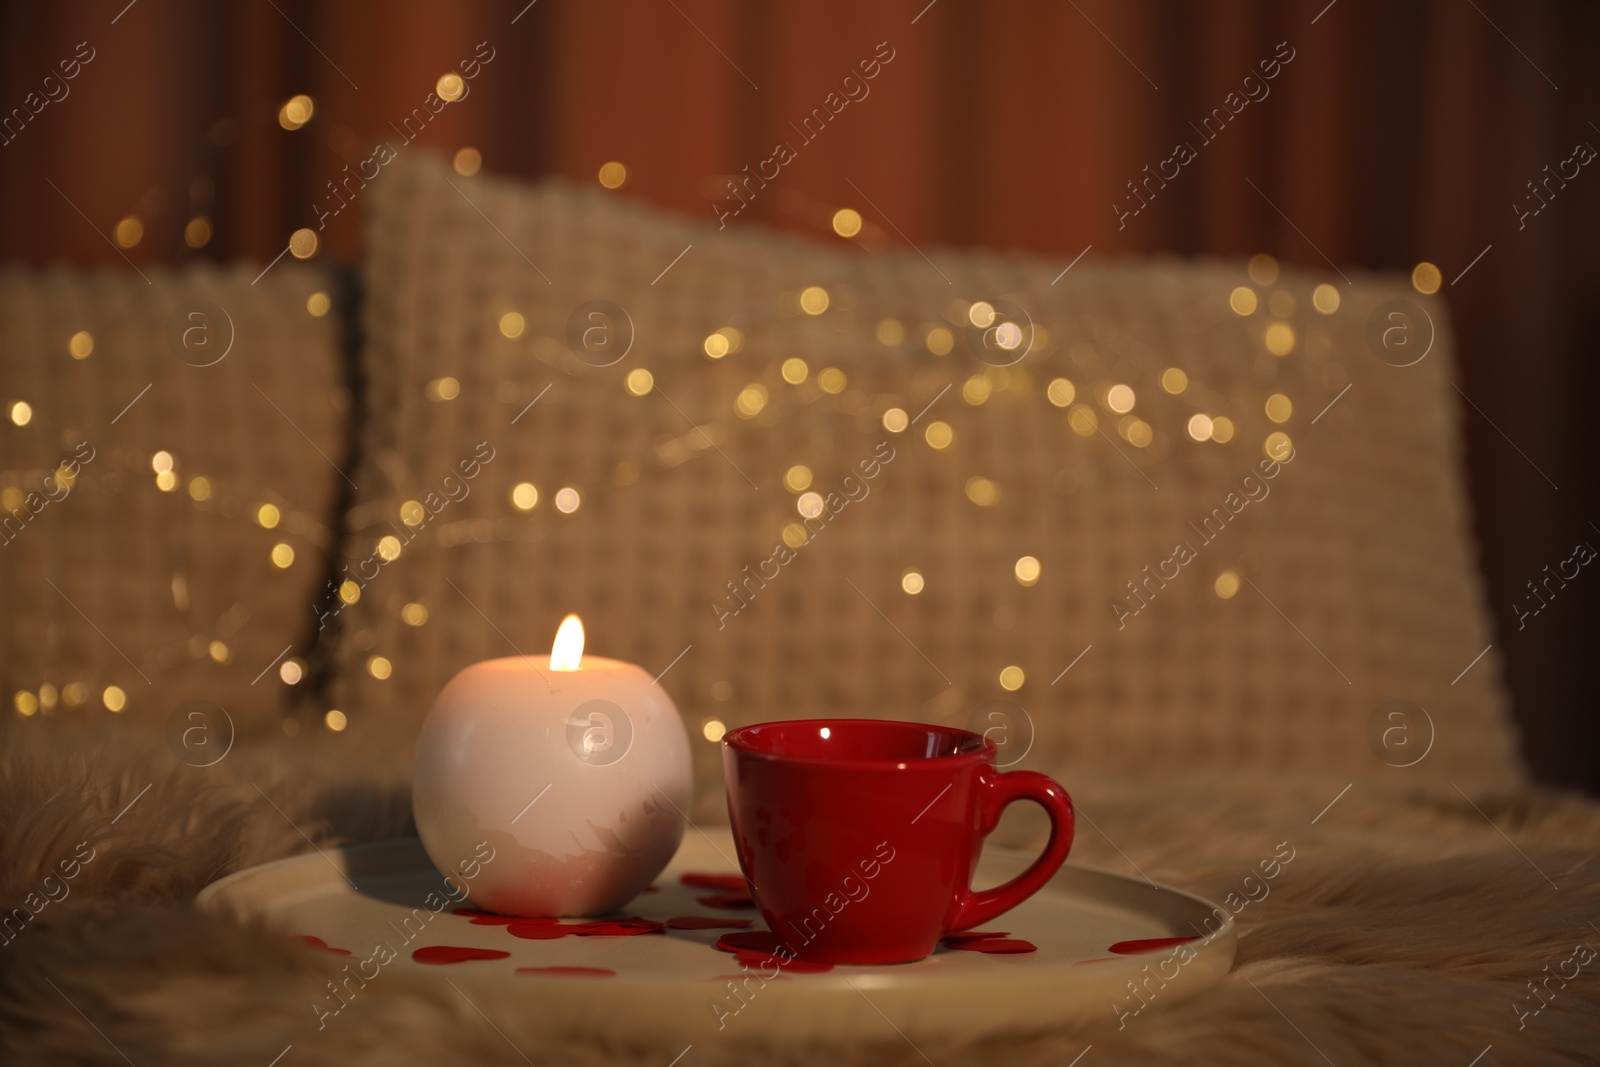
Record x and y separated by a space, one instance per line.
996 792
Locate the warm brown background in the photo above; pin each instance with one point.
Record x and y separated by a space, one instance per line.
1400 132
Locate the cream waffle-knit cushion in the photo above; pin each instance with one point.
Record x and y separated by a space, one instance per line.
165 590
1351 574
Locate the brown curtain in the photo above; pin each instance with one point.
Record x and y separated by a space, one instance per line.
1394 133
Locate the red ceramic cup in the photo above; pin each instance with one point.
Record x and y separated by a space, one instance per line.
859 836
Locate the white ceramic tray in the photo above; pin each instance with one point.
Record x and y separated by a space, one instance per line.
675 986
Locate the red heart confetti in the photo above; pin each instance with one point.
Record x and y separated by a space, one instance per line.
758 948
1001 946
456 954
318 943
952 940
626 927
705 922
570 972
538 931
728 901
732 883
1148 944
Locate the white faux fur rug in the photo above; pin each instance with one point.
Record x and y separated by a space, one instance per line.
1411 926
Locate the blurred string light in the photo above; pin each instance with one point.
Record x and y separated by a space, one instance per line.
926 332
613 175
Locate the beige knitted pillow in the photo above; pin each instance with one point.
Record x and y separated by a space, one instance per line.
167 487
662 394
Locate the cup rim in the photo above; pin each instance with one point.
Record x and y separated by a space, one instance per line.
735 740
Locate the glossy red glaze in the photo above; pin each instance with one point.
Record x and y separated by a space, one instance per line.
859 836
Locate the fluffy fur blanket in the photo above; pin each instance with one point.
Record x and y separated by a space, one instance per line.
1413 924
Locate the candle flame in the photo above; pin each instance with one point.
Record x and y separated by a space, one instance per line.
567 650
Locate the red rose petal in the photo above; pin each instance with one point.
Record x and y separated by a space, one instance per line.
570 972
743 975
758 948
1003 946
650 889
973 935
318 943
1148 944
705 922
1097 959
456 954
732 883
730 901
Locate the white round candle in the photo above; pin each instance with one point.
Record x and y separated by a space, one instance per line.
573 769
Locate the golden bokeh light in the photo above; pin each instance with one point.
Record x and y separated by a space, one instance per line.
1011 678
450 87
200 488
282 556
296 111
414 614
81 344
1061 392
379 667
982 491
1278 446
889 332
26 703
911 582
317 304
813 300
1174 380
1120 398
797 478
1279 407
938 434
639 382
21 413
1027 570
751 399
1263 269
981 314
831 380
1325 298
1280 339
976 389
809 505
291 672
794 370
197 232
713 730
847 222
716 346
1426 279
1243 300
129 231
335 720
412 513
467 161
1084 421
267 516
512 325
1226 585
389 548
114 698
895 420
303 243
567 500
349 591
218 651
1200 427
1222 429
940 341
613 175
524 496
1281 303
